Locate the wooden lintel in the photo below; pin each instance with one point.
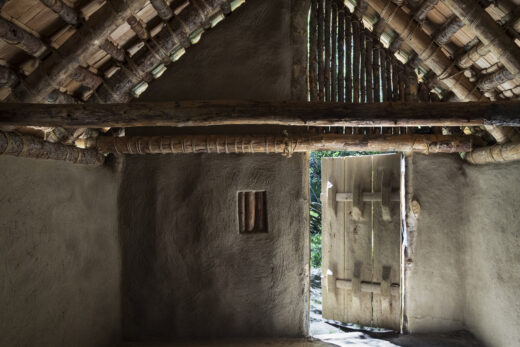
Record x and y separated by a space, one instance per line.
287 113
285 145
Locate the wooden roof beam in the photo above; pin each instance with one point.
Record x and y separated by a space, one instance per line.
425 7
284 145
68 14
288 113
33 147
163 9
432 55
489 32
58 66
118 87
14 35
444 34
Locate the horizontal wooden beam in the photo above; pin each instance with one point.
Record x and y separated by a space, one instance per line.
500 153
33 147
285 145
288 113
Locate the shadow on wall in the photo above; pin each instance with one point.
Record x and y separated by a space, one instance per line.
187 272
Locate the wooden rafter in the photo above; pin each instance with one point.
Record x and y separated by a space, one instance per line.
295 113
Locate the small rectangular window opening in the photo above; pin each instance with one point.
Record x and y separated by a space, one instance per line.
252 212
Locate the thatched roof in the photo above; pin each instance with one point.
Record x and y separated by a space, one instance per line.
109 51
73 51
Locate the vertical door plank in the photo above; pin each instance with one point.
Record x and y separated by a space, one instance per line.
387 245
358 241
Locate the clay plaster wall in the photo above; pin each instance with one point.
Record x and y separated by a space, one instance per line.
59 254
467 252
187 273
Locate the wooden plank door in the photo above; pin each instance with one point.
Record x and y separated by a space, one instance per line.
361 240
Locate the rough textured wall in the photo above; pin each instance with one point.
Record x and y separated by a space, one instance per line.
59 254
247 56
492 254
187 272
435 286
467 249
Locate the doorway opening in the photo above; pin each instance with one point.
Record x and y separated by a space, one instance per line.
376 308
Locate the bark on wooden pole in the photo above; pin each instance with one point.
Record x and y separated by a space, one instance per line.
327 43
297 113
68 14
8 78
376 67
341 54
22 39
369 67
489 32
424 8
33 147
158 50
428 51
333 55
86 78
495 154
111 49
384 71
447 30
321 46
362 72
313 54
493 80
357 56
137 26
163 9
88 38
285 145
348 57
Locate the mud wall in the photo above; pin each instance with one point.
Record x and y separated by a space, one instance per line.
59 254
187 272
467 257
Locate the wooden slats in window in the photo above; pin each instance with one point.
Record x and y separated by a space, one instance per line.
252 212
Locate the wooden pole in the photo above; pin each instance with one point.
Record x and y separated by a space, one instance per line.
493 80
430 53
424 8
495 154
33 147
285 145
369 66
362 72
327 49
313 54
138 28
376 69
115 52
384 71
447 30
334 52
348 57
163 9
8 78
355 69
341 54
86 78
64 11
297 113
58 66
321 43
489 32
22 39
